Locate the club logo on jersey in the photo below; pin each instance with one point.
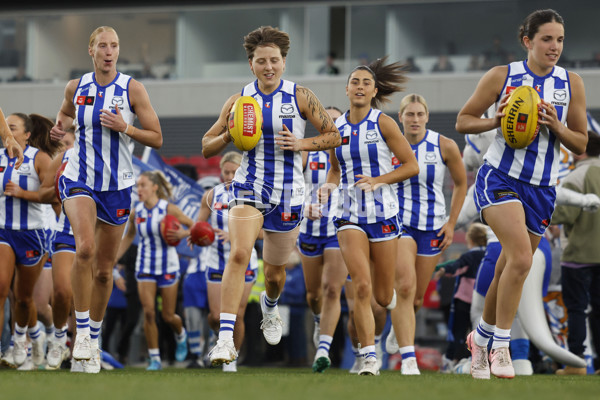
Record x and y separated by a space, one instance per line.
287 111
521 122
85 100
388 228
314 165
289 216
140 220
346 140
32 253
121 212
434 243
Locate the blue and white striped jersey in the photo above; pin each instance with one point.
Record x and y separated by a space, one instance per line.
315 174
538 163
102 158
154 256
274 173
421 197
62 224
15 213
364 151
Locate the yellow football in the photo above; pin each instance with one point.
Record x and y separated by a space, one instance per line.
520 122
245 123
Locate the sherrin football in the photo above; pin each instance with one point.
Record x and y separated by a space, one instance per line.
245 123
520 122
59 173
169 222
202 234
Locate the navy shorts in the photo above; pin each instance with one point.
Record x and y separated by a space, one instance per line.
376 232
281 217
315 246
29 246
63 242
162 280
494 187
428 242
194 290
112 207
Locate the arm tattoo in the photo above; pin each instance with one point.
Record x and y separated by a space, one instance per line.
316 109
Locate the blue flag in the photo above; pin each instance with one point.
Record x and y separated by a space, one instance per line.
593 125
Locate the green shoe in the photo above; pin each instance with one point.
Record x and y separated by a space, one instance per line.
321 364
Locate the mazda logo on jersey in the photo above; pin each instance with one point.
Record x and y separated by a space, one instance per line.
371 135
117 101
560 94
314 165
85 100
430 156
287 108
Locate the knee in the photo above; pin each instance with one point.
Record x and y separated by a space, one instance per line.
383 299
103 277
168 317
332 292
406 291
23 302
62 294
313 295
274 274
86 250
149 315
362 291
521 263
240 256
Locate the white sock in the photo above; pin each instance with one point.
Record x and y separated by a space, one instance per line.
483 333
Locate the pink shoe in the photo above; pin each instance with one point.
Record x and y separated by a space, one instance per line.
501 363
480 367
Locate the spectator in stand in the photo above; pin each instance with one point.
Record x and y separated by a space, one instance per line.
495 55
411 66
329 68
443 64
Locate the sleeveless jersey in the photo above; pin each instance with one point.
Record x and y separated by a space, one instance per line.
538 163
272 172
216 255
154 255
102 158
62 224
315 174
364 151
421 198
19 214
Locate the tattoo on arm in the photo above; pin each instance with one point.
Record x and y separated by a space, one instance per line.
316 109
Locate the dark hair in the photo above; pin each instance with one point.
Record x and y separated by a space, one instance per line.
593 145
388 79
266 36
39 127
533 21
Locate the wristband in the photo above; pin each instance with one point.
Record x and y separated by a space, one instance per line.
128 129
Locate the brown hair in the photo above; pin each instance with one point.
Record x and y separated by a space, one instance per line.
266 36
592 148
39 127
159 179
388 79
477 233
99 30
533 21
412 98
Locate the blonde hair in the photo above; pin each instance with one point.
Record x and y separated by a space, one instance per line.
165 190
413 98
99 30
477 233
232 157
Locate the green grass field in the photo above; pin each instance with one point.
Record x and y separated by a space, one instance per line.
285 383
